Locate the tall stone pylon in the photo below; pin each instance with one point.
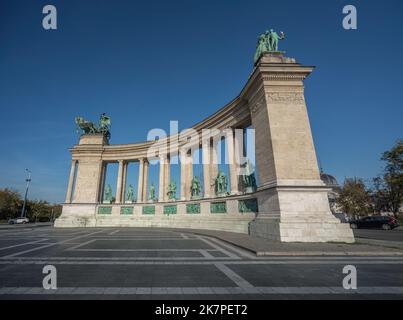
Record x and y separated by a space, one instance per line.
293 203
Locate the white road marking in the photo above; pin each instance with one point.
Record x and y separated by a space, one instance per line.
50 245
22 244
199 291
238 280
227 253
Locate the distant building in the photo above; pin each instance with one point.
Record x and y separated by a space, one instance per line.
332 183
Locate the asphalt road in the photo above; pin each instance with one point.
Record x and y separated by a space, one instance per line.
375 234
123 263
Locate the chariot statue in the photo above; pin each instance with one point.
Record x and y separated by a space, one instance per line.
88 127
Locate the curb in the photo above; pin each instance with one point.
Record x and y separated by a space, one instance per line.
25 226
302 253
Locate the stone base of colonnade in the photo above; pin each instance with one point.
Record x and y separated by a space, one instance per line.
286 214
298 214
222 214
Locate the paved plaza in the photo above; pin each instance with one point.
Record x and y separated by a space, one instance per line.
144 263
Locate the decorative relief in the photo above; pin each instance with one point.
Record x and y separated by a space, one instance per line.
259 103
149 210
285 76
193 208
171 209
279 97
248 205
126 210
218 207
104 210
256 107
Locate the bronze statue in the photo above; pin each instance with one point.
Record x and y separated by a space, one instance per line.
248 179
221 184
130 194
172 191
89 127
108 194
152 192
195 188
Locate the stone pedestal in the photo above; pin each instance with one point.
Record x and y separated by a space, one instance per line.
293 204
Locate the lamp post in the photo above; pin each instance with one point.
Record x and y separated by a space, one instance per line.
28 180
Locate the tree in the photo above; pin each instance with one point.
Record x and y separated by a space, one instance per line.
354 198
389 186
10 203
38 210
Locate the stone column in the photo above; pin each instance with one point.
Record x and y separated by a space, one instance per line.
183 175
233 167
102 182
145 180
140 181
167 176
189 174
206 168
161 181
125 166
71 181
213 165
119 185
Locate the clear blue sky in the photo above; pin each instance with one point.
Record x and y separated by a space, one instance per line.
148 62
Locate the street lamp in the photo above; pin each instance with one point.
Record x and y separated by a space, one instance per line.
28 180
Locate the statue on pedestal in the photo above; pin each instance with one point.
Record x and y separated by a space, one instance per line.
268 42
221 185
195 188
273 38
130 194
248 179
152 193
171 191
108 194
88 127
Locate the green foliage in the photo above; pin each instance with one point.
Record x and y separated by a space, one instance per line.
354 198
10 204
36 210
388 188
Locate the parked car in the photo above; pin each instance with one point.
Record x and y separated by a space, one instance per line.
18 221
375 222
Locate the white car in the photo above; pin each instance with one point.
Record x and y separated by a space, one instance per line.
18 221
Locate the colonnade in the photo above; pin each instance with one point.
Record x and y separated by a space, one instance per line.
210 161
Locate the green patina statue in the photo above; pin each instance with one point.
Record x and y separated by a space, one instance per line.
130 194
195 188
268 42
248 179
88 127
152 192
172 191
108 194
221 184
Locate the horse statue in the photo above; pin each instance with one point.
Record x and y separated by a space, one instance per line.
87 127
